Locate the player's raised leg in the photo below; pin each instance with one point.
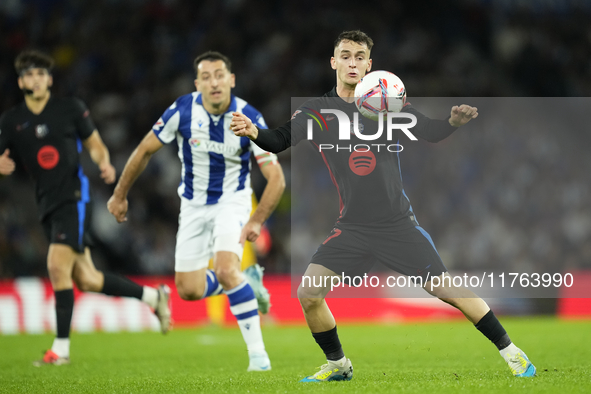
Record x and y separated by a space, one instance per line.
478 312
194 281
323 326
88 278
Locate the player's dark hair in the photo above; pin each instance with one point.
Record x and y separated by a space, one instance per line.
32 59
356 36
212 56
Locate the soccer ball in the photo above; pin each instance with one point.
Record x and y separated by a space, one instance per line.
379 91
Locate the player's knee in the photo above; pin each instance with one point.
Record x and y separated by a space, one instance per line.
228 276
88 283
57 271
309 297
310 303
455 302
188 292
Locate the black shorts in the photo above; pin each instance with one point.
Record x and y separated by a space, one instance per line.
69 224
408 250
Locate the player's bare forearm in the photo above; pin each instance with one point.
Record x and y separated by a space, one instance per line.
136 164
100 156
272 193
97 149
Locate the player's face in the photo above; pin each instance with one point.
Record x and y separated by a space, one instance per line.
38 80
215 82
351 61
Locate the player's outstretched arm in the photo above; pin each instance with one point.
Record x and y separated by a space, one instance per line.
273 172
435 130
7 165
275 141
100 156
136 164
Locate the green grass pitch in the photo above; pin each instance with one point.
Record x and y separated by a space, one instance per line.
411 358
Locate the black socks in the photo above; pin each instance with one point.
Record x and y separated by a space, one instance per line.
330 344
120 286
64 306
490 326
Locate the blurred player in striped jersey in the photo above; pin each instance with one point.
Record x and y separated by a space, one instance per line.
215 193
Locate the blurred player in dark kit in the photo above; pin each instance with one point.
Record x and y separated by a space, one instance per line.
48 134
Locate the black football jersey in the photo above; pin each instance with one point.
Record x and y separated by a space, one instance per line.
49 146
366 173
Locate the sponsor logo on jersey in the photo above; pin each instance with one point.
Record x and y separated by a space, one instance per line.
48 157
215 147
362 163
41 130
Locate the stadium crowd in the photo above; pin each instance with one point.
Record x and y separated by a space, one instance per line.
508 195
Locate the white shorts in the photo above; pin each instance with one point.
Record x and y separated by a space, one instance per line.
207 229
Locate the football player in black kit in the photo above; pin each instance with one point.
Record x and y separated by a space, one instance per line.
376 222
48 134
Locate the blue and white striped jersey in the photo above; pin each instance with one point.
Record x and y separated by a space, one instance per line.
215 163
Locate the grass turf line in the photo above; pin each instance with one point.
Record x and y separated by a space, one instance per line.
433 357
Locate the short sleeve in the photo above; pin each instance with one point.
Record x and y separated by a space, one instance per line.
168 124
84 124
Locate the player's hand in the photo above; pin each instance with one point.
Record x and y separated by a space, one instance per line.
108 173
7 165
250 232
118 208
462 115
242 126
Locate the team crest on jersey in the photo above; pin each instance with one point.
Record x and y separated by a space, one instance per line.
194 142
361 127
41 130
